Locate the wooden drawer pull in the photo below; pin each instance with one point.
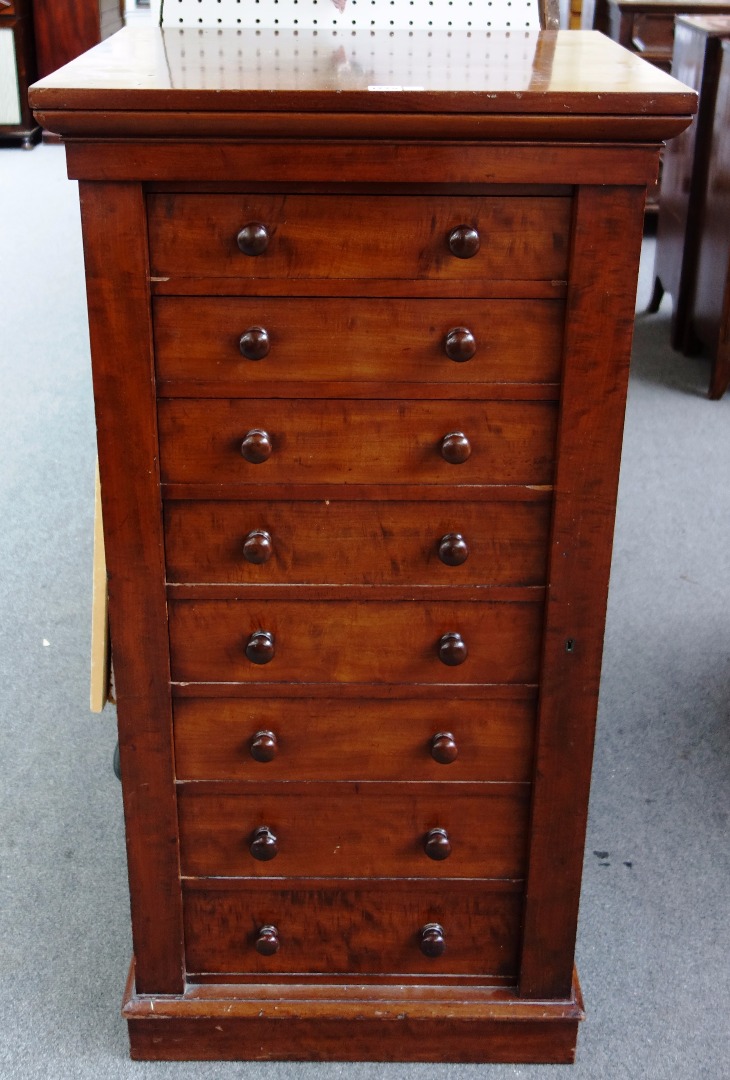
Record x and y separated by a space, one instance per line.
453 549
464 242
256 446
253 238
267 941
260 647
264 746
444 748
437 844
452 650
264 844
258 547
431 939
455 448
459 344
255 343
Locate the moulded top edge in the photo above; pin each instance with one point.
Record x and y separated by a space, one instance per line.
559 73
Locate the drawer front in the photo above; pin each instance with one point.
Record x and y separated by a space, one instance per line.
373 543
358 236
346 830
264 345
352 927
338 641
357 442
274 738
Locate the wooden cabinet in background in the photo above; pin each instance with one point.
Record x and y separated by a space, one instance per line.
682 206
17 72
646 26
66 28
693 233
711 308
359 376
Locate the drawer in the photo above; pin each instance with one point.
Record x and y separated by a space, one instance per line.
264 345
338 641
350 926
357 442
357 236
435 543
353 829
273 738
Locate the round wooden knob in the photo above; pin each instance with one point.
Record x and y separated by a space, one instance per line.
258 547
452 650
437 844
444 748
431 939
455 448
453 549
264 845
260 647
264 746
267 941
464 242
253 238
256 446
255 344
460 344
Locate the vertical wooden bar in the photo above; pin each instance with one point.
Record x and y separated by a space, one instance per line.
606 244
115 248
99 683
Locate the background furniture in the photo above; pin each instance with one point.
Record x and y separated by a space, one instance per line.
66 28
17 71
680 226
711 308
645 26
358 479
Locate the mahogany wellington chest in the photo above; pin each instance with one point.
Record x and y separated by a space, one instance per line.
361 308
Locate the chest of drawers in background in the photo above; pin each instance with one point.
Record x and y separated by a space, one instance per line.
359 364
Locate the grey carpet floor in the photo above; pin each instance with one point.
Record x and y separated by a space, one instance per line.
653 944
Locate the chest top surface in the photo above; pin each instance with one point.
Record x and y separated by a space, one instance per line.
419 72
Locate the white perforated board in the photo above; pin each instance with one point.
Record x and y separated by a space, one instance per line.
352 14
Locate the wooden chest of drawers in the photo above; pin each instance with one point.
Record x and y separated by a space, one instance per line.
360 400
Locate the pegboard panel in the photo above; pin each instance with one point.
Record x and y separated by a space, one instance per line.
285 61
353 14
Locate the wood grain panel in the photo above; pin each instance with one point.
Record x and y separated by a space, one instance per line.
347 830
369 543
358 236
355 342
598 344
339 641
335 739
350 926
120 324
350 442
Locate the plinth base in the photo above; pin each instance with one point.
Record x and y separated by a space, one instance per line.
323 1022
